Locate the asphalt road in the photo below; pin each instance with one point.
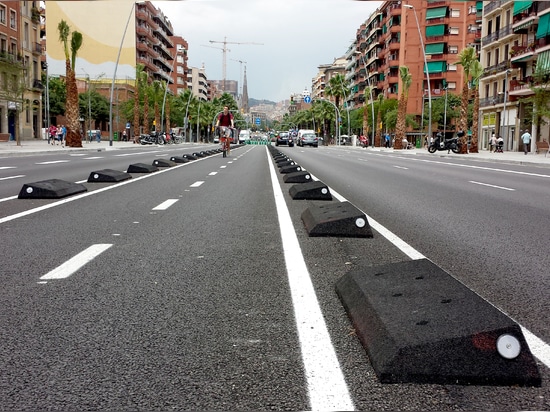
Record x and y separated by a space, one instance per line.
202 290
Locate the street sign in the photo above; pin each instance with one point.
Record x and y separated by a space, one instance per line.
307 99
258 120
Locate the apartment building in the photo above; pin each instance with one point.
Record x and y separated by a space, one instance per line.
418 34
21 109
199 84
516 58
180 70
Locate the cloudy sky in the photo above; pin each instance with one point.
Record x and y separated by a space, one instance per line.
296 37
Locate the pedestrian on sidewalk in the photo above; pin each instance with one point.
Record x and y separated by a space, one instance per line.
526 138
492 142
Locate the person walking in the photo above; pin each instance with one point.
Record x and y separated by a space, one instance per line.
526 139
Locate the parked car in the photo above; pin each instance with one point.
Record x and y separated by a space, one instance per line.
283 138
307 138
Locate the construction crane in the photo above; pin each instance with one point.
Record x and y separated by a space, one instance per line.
225 43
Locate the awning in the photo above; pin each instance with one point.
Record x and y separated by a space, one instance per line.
436 67
544 26
435 48
436 13
437 30
543 63
520 6
525 25
479 6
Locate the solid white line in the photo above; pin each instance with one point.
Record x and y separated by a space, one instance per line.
538 347
401 167
93 158
487 184
6 167
9 198
11 177
390 236
166 204
326 385
76 262
197 183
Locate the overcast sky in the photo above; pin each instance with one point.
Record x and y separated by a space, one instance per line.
296 35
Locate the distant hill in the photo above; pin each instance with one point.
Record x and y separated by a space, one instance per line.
255 102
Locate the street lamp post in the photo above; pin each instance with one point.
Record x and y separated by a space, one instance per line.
371 99
410 6
503 131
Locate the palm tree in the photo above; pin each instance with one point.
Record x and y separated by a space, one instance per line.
73 138
406 81
476 71
157 94
337 87
467 57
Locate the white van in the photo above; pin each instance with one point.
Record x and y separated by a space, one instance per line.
307 137
244 135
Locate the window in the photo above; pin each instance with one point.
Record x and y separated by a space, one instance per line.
472 10
2 14
453 49
453 30
455 13
451 67
13 24
451 85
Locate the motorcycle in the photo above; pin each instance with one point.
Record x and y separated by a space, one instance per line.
444 144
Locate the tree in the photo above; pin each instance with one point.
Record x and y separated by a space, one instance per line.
400 129
477 71
379 121
13 72
337 88
467 57
73 138
366 111
141 81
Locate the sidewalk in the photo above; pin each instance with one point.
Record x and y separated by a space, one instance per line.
483 155
26 147
8 149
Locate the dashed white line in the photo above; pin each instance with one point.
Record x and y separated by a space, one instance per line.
197 184
6 167
487 184
212 173
166 204
401 167
11 177
76 262
52 162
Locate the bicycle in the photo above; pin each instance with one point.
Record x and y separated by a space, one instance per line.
225 136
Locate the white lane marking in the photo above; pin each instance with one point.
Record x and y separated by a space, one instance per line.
11 177
93 158
212 173
389 235
76 262
539 348
326 385
487 184
401 167
166 204
223 167
197 184
9 198
493 169
52 162
6 167
136 153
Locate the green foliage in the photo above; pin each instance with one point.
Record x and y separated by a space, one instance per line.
99 105
58 95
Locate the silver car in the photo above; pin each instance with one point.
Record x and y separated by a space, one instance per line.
308 139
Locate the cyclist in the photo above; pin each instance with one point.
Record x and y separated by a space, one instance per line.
224 124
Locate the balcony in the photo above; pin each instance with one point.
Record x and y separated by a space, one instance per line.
395 10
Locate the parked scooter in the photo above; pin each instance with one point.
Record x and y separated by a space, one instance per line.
444 144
